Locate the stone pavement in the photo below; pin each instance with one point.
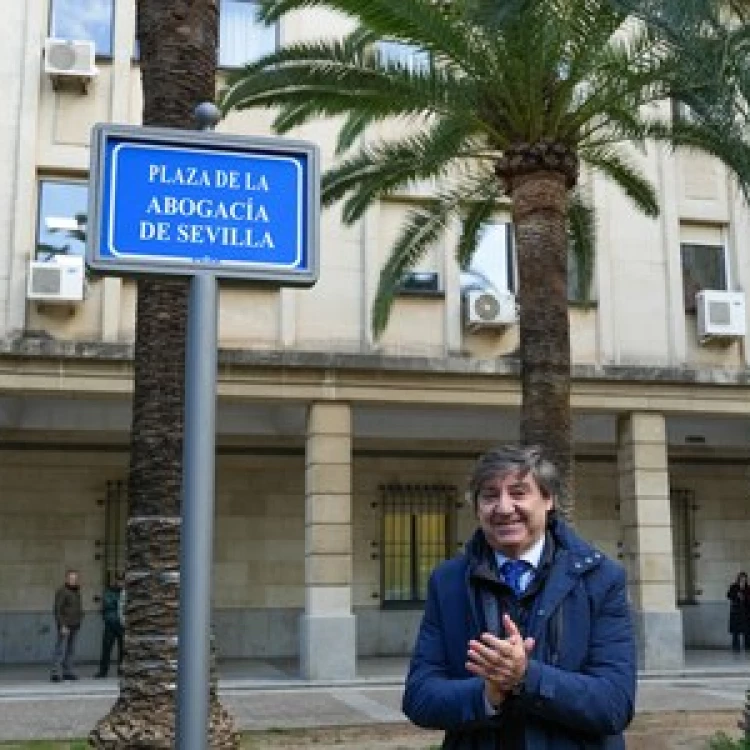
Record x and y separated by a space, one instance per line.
267 695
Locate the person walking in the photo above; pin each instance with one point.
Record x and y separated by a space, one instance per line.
526 641
739 612
68 614
114 624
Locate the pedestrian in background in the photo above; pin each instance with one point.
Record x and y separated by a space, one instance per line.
68 614
527 640
113 602
739 612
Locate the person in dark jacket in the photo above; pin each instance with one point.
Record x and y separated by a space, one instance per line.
526 641
68 614
739 612
114 624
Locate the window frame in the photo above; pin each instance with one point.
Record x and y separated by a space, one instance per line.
42 181
575 294
414 501
511 259
113 544
54 13
682 509
275 28
421 283
412 59
689 303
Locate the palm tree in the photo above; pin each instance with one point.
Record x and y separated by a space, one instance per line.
178 67
518 96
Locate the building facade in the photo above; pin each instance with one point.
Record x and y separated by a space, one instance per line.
342 460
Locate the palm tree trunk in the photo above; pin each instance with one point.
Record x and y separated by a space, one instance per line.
178 66
539 202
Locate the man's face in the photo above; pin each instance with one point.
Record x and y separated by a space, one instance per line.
71 578
512 513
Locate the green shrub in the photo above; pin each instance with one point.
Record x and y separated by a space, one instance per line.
724 742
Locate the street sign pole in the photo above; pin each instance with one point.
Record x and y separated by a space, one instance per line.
196 545
198 490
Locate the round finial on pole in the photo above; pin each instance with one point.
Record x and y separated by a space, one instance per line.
207 115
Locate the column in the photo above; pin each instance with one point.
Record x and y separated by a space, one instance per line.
327 628
647 539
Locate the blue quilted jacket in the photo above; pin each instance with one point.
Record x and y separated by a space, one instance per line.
579 689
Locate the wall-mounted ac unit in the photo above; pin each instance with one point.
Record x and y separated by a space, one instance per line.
721 314
489 309
60 279
70 59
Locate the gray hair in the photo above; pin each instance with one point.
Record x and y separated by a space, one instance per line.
514 459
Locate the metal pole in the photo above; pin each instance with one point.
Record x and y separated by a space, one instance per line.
198 482
196 546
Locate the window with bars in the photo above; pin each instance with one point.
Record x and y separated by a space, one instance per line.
115 528
684 543
416 537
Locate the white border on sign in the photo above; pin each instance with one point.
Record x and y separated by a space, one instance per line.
193 259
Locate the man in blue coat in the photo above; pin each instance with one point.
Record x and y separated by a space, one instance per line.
526 642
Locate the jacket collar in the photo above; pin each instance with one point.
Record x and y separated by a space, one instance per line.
580 558
573 557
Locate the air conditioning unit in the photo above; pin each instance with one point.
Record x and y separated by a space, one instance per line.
721 314
488 309
60 279
70 59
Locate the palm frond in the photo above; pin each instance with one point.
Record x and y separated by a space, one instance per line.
425 224
581 218
420 230
626 175
727 142
381 168
419 22
476 216
355 126
328 79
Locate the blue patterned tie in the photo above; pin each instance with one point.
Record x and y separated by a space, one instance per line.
513 571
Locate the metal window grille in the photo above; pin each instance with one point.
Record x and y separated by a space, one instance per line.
416 537
115 527
684 543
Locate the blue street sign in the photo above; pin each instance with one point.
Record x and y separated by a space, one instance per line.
181 202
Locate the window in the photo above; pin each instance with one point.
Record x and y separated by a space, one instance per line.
416 525
421 282
493 264
682 507
113 546
579 280
681 112
703 267
61 227
242 38
398 53
704 260
83 20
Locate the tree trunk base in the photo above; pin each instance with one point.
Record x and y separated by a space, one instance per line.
151 726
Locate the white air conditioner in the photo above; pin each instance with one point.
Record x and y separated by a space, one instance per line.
721 314
60 279
487 309
65 58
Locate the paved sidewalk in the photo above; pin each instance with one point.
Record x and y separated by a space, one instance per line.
268 695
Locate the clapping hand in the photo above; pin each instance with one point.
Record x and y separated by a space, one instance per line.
500 662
